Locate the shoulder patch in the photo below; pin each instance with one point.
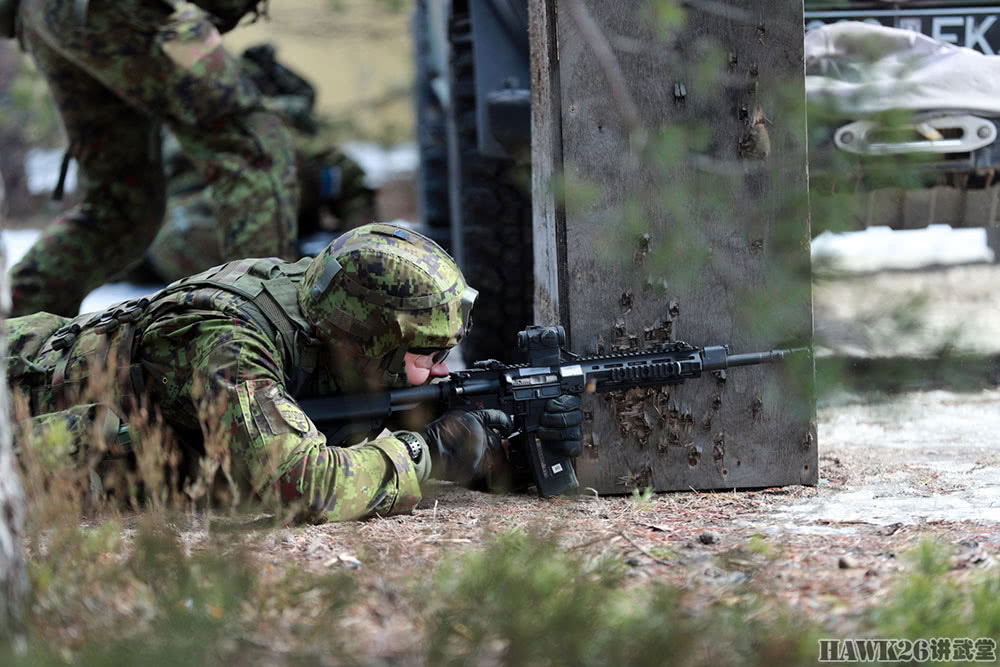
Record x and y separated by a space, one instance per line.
279 413
293 415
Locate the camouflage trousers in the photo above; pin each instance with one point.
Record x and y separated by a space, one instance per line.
116 74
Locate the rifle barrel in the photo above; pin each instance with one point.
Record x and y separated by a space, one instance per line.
769 357
410 395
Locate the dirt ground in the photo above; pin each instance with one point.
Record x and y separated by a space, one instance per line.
894 470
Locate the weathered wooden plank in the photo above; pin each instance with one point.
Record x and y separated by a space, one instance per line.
549 223
708 245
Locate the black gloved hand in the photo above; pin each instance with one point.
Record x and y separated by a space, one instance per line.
460 442
560 427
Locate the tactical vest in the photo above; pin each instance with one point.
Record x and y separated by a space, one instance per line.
267 297
271 303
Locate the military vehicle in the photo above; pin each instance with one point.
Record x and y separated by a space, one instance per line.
474 131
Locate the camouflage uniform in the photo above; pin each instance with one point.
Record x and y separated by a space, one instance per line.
256 334
116 70
186 243
329 181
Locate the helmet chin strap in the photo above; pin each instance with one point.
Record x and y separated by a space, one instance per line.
394 368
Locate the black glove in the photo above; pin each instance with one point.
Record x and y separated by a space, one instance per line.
460 442
560 428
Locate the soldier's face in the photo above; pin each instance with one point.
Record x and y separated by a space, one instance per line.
422 368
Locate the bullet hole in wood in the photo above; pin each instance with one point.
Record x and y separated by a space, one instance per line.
639 256
694 456
754 69
674 309
756 246
716 401
680 93
807 441
591 440
756 408
679 419
755 143
719 447
637 480
671 440
662 332
624 341
706 421
636 413
626 301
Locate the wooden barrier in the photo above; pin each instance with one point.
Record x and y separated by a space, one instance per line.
685 218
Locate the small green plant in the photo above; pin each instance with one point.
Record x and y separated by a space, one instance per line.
929 604
643 499
524 600
759 545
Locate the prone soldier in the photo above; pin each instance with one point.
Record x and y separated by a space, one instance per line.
231 349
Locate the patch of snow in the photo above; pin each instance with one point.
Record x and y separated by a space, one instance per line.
888 506
41 167
382 163
17 242
882 248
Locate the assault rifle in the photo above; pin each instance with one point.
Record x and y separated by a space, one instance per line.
522 390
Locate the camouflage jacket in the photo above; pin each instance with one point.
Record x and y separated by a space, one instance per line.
224 353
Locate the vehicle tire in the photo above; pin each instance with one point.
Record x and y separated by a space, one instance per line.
432 138
495 213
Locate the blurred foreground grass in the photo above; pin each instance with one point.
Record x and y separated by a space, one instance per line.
149 574
151 598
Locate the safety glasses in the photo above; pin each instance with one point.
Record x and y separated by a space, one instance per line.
429 358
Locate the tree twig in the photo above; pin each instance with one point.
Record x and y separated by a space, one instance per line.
598 43
644 552
602 538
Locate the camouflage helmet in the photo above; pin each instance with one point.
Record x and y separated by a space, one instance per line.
390 290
